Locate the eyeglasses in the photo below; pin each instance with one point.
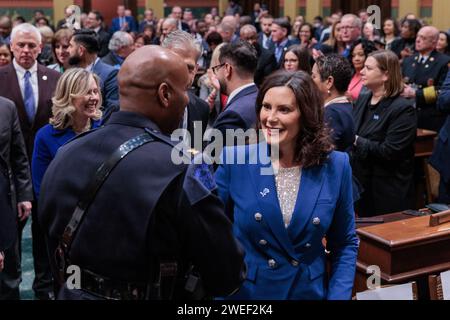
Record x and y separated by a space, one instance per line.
215 68
347 27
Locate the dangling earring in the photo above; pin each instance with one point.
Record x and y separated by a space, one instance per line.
329 92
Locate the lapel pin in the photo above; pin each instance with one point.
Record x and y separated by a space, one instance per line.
426 66
264 192
376 117
44 78
416 57
431 59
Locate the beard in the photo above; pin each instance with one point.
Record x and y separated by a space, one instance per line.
223 87
74 61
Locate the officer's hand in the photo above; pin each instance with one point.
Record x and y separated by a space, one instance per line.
409 92
2 260
24 210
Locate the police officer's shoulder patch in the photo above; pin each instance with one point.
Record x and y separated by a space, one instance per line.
199 181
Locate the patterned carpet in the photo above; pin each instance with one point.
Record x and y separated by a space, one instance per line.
26 291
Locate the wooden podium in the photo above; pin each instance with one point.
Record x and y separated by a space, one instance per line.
405 250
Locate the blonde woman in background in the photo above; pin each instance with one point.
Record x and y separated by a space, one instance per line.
76 109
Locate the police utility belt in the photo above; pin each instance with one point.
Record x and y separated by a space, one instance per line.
105 287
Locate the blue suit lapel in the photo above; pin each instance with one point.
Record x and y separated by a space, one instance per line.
310 186
265 191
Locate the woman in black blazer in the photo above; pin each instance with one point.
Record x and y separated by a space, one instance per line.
383 152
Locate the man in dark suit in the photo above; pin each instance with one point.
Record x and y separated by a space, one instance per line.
30 86
281 29
266 58
440 159
152 219
149 20
425 73
265 36
94 21
123 22
83 49
235 74
16 194
197 111
177 14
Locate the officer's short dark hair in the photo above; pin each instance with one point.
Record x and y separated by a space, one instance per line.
241 55
283 23
88 38
335 66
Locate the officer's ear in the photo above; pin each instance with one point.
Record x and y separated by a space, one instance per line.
164 94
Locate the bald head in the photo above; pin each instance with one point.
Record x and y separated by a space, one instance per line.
427 39
153 81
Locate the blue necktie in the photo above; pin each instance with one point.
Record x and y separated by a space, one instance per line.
29 97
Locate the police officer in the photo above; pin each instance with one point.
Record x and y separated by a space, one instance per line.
424 72
440 159
153 228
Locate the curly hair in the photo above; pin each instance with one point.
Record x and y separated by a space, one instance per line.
367 46
335 66
72 84
313 143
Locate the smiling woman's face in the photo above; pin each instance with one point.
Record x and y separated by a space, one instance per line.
280 116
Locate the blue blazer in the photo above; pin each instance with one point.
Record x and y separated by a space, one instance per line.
324 208
440 159
48 141
240 112
132 24
109 87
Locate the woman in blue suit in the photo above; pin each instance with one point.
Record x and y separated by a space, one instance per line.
281 218
76 109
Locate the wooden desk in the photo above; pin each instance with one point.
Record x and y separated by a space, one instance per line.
423 148
405 248
424 144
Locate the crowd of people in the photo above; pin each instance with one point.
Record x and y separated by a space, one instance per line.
86 115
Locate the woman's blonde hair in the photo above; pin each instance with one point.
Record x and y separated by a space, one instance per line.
73 83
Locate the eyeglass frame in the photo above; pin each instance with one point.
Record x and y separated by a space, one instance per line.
217 67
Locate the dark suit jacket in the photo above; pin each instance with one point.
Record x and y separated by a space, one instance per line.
109 87
441 154
266 65
15 178
110 59
198 111
10 89
383 157
340 119
103 39
240 112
